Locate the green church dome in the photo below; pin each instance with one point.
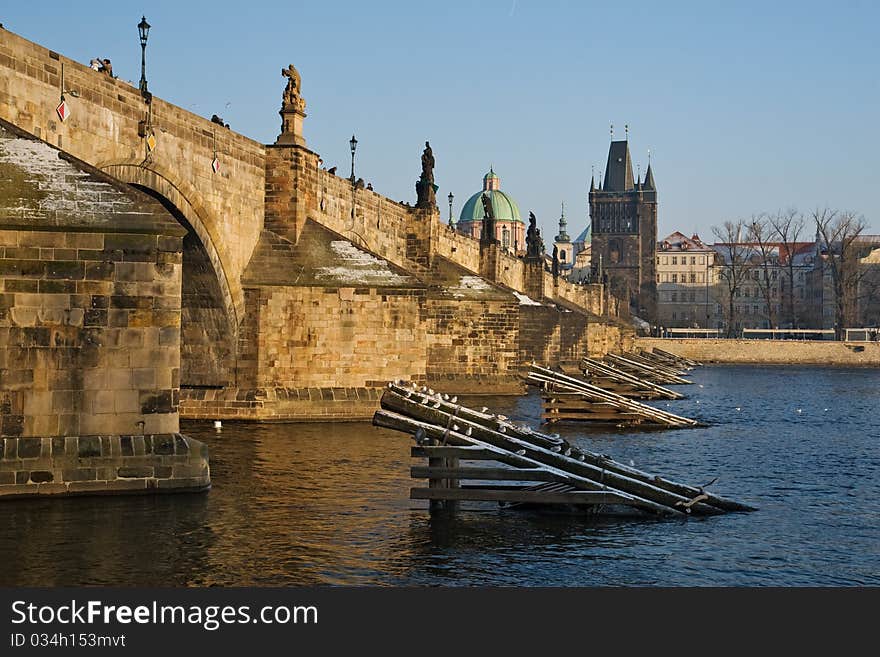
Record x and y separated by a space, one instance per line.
504 207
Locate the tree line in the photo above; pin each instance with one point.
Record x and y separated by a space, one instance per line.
762 251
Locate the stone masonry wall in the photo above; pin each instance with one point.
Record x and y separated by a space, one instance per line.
89 333
338 337
472 345
776 352
87 465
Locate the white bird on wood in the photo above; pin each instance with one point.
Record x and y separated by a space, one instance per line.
445 397
484 409
454 400
502 417
556 448
521 452
430 391
455 427
469 431
436 405
567 452
502 428
426 401
581 457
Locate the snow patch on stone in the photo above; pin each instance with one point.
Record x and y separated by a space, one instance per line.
469 283
525 300
66 185
359 267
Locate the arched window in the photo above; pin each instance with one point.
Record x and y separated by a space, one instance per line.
505 237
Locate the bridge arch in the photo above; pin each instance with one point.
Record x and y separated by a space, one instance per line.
211 303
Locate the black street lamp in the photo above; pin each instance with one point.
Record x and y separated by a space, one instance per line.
450 197
144 31
353 143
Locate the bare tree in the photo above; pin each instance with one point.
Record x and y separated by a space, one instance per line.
760 235
788 226
735 268
839 232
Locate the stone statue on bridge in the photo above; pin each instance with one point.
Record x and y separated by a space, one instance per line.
487 236
293 109
292 97
425 188
534 243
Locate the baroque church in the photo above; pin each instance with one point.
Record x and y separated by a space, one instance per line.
510 230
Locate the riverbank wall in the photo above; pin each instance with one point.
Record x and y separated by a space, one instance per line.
771 352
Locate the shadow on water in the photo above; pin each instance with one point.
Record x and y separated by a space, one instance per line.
299 504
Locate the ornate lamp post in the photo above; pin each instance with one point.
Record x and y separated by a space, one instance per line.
450 197
144 32
353 143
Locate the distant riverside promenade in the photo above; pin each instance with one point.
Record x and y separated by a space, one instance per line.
781 352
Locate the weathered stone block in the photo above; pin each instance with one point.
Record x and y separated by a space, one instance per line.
88 446
163 444
29 448
79 474
135 472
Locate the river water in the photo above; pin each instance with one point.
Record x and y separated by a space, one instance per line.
303 504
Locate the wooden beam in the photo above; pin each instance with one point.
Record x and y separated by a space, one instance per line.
489 474
448 451
518 496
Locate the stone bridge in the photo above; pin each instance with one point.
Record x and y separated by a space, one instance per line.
301 293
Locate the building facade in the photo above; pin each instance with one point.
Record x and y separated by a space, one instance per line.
687 283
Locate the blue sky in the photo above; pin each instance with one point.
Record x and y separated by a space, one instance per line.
746 107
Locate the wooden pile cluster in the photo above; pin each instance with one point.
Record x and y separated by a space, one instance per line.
566 398
535 468
615 380
640 366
